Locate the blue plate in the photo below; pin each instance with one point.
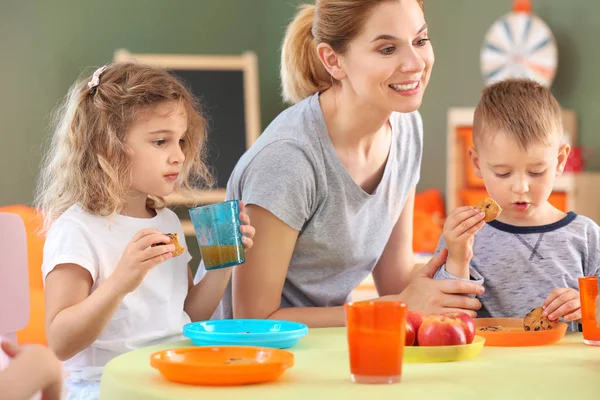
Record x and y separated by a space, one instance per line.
245 332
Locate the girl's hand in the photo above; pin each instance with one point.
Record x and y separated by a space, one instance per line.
139 257
248 230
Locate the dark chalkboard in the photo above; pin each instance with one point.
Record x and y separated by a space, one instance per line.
227 87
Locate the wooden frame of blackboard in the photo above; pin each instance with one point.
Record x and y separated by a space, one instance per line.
247 63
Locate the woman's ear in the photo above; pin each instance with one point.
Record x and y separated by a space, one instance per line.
331 61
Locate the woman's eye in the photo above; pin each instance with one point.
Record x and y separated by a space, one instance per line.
423 42
387 50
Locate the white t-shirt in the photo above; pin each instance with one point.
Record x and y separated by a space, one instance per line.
151 314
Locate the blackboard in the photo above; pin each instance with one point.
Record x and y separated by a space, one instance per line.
227 87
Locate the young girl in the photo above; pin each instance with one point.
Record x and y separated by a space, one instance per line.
126 137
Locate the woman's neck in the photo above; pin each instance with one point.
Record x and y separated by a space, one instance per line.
350 122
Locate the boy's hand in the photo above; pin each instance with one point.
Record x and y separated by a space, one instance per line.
248 230
459 232
563 303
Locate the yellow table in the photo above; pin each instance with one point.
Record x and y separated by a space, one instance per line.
566 370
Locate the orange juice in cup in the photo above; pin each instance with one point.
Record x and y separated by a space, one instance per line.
376 332
590 309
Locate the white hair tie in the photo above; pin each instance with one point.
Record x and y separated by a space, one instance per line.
92 84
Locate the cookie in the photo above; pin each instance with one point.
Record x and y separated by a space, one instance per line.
490 208
179 249
535 321
240 361
491 328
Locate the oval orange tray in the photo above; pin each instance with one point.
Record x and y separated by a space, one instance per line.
516 336
222 365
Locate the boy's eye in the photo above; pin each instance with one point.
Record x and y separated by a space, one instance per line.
502 175
537 173
387 50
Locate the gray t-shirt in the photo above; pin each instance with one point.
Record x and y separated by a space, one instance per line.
294 172
519 266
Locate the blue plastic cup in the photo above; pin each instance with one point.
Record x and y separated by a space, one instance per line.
217 228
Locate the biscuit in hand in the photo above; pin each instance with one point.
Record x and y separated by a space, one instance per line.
179 249
490 208
535 321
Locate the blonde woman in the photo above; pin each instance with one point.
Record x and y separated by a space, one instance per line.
330 184
127 136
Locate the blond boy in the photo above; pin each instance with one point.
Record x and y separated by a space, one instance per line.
533 253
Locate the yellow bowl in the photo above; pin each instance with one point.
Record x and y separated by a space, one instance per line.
431 354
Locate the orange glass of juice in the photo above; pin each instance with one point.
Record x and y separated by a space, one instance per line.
376 331
590 309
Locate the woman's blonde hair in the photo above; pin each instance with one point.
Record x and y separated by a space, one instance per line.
335 22
88 163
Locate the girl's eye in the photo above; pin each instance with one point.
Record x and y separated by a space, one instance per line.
388 50
159 142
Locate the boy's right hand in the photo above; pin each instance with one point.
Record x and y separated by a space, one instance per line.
139 257
459 232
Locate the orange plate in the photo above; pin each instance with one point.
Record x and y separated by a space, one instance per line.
516 336
222 365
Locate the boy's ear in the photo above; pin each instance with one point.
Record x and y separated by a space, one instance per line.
563 154
474 157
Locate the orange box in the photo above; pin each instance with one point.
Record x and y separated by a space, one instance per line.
376 334
465 137
588 294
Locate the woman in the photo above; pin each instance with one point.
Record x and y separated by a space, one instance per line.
330 184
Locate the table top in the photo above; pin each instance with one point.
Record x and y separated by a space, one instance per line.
568 369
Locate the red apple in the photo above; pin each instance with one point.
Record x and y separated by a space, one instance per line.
440 330
411 335
415 318
467 322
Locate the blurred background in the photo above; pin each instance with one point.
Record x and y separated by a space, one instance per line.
45 46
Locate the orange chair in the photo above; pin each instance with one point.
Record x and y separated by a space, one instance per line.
34 332
428 220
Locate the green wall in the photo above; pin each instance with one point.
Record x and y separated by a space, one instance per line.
457 28
45 45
